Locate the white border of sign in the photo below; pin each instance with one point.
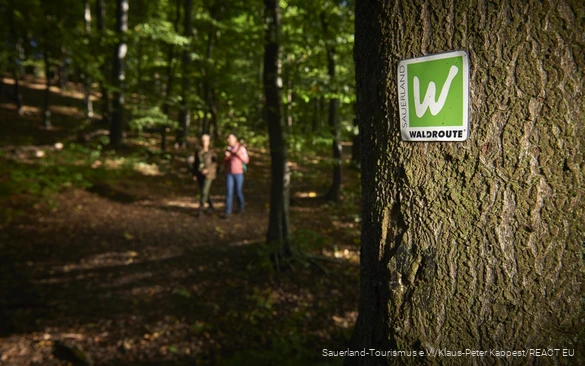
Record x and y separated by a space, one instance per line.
404 109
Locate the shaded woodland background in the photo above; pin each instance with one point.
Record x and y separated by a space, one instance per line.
103 261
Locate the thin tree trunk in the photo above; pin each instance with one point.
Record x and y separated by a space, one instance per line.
101 28
139 67
170 79
278 226
477 244
333 118
87 79
117 125
289 92
17 63
316 114
47 94
63 78
211 113
185 113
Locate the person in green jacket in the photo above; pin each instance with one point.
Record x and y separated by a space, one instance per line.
204 172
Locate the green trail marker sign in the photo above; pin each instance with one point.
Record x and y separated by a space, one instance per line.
433 97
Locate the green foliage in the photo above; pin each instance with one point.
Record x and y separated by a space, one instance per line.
309 240
150 118
51 174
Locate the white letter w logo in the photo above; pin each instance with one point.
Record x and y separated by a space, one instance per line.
429 101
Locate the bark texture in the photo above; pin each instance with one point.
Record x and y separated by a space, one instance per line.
278 224
476 244
119 75
185 112
333 117
101 28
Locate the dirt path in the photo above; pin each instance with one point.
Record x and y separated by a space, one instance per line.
126 273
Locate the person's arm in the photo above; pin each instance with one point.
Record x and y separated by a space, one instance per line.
242 154
213 165
196 163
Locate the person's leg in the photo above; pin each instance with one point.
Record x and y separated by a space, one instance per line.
206 197
201 183
229 179
239 178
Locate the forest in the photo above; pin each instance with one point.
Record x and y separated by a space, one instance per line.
104 258
226 182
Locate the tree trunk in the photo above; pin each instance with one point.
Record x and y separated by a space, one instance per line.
170 79
17 63
101 27
316 114
117 125
63 77
333 118
46 105
87 79
210 123
289 91
213 110
476 244
355 146
185 113
278 226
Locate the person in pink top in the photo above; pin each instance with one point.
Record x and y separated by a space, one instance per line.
235 158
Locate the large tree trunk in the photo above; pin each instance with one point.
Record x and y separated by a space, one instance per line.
333 118
475 244
278 224
185 113
117 126
101 27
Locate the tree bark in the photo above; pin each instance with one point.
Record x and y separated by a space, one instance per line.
185 112
63 74
333 118
316 114
278 225
355 146
170 79
47 93
101 27
475 244
117 125
87 79
289 91
17 62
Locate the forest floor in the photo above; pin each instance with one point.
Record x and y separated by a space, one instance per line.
102 256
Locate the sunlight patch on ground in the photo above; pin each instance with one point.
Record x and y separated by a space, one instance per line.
113 164
181 203
36 84
346 320
349 255
306 194
147 169
67 111
27 110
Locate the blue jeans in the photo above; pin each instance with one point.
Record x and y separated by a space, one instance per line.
232 180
